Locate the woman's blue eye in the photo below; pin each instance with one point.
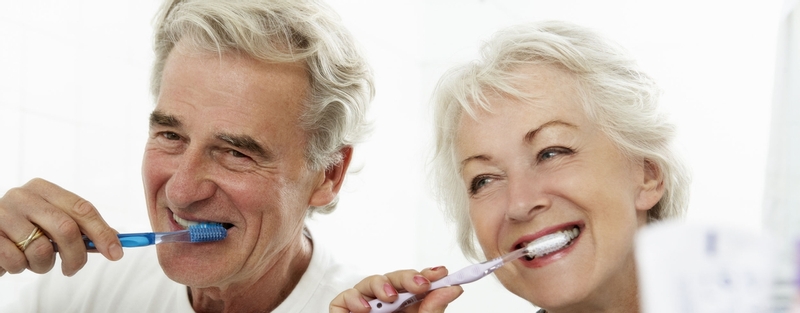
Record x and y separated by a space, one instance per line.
548 154
478 183
552 152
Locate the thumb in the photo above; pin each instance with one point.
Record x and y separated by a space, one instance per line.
436 301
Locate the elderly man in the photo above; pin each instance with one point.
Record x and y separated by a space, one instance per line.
258 104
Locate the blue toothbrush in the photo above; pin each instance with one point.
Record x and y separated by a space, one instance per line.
203 232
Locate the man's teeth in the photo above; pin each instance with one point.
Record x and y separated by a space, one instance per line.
187 223
184 223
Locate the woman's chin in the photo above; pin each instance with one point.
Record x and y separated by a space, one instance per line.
546 289
554 299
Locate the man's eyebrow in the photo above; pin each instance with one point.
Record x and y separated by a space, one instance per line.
163 119
244 142
532 134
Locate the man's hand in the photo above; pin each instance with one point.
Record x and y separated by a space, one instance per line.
62 217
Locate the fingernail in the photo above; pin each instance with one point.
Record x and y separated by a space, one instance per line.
365 303
420 280
389 290
116 251
435 268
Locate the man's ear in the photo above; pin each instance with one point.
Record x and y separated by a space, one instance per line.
327 190
652 188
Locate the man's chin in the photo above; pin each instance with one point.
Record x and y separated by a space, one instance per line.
186 268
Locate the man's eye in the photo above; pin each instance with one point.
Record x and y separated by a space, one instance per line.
237 154
170 136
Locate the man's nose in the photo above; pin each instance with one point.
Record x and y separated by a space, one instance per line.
191 180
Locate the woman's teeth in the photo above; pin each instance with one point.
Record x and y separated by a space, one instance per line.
550 243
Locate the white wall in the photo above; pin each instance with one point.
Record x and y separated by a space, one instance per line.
74 105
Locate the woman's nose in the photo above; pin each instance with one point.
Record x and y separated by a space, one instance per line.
191 181
526 198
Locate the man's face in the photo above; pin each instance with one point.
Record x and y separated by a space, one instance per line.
225 146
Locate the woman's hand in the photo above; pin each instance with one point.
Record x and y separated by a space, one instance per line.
386 287
62 217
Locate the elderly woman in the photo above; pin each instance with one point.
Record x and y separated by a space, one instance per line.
555 128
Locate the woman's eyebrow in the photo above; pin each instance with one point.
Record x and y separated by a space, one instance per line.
531 135
479 157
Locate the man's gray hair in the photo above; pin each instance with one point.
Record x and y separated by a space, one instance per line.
306 31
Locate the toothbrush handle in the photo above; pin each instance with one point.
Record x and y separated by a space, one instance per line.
128 240
403 300
465 275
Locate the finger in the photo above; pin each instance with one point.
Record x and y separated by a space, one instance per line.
409 281
386 287
2 272
23 206
12 259
420 283
40 255
54 222
85 215
435 273
377 286
436 301
348 301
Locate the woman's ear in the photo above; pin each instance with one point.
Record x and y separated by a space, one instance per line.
327 190
652 188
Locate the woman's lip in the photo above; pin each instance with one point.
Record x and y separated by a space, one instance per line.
550 258
546 231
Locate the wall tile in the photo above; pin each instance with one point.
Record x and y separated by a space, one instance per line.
52 75
49 149
10 147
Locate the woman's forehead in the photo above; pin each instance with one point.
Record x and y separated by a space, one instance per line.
537 88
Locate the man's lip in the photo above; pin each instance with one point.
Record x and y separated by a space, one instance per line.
546 231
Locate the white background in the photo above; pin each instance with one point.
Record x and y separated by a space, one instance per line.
74 104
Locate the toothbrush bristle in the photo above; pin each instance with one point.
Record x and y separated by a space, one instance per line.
547 244
206 232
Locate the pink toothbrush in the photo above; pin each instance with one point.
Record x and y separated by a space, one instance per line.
539 247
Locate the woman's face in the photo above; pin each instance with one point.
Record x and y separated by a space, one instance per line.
538 167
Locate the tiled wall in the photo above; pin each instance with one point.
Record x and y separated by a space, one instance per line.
74 102
74 98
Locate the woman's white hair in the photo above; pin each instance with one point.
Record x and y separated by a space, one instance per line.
306 31
616 94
